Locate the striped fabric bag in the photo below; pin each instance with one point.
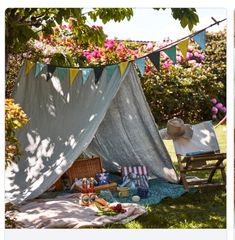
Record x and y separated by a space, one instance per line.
141 175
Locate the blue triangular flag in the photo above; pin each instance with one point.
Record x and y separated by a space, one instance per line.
85 74
39 67
155 59
50 70
171 53
141 65
62 72
98 72
200 39
110 70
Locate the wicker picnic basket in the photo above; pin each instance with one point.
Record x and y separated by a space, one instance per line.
85 168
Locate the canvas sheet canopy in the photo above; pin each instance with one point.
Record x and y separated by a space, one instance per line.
109 118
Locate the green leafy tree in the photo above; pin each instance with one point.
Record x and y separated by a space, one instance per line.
23 24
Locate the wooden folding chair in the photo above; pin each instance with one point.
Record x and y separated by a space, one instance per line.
200 153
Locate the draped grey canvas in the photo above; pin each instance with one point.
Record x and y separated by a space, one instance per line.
64 119
128 135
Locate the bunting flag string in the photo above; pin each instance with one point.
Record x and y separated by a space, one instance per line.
110 70
171 53
98 72
200 39
29 66
73 72
183 46
39 67
141 65
85 74
62 72
50 71
123 67
155 59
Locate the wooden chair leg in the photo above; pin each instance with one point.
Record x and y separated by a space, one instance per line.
212 173
223 175
184 181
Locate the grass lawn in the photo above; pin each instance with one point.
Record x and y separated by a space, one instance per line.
202 209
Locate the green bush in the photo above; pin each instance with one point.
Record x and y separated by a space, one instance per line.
185 92
14 119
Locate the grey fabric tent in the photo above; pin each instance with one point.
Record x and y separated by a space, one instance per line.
109 118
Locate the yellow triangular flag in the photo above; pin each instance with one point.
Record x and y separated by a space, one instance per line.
73 72
29 66
183 46
122 67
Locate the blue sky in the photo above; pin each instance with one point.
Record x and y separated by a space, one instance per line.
148 24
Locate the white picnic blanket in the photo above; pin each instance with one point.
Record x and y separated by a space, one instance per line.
66 212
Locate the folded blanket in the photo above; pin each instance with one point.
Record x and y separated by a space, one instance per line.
66 212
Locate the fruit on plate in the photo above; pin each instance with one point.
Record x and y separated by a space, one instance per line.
118 208
109 210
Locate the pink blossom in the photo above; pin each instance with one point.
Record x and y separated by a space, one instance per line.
38 45
190 48
214 116
109 44
120 46
148 68
213 100
179 58
47 60
50 36
192 61
219 106
149 46
189 55
196 54
149 73
223 109
201 56
167 64
214 110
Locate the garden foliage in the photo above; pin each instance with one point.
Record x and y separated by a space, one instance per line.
14 119
183 90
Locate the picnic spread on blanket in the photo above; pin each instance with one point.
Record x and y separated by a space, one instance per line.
85 196
68 211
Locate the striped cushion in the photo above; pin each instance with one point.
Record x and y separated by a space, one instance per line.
140 171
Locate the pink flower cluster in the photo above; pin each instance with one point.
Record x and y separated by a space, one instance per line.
218 107
194 55
63 42
113 51
93 56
